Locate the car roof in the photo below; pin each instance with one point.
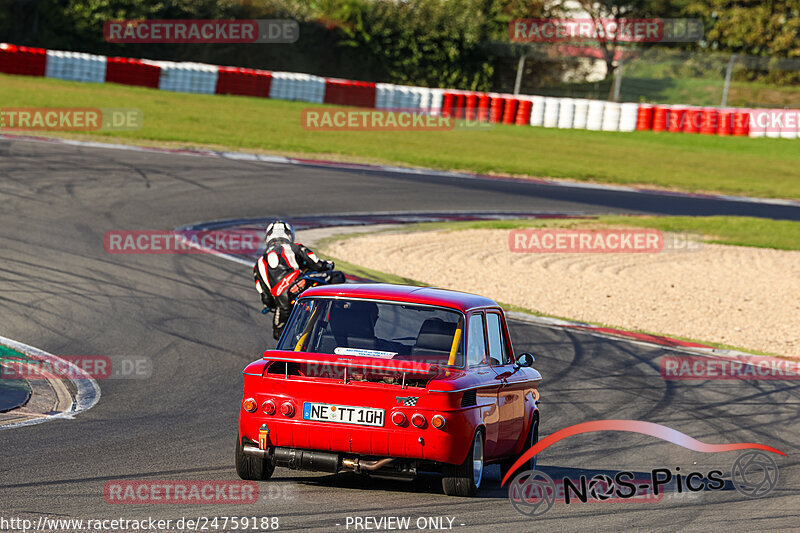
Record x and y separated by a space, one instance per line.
462 301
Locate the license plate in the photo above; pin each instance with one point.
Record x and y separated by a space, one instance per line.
346 414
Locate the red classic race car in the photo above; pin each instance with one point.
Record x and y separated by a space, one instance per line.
388 380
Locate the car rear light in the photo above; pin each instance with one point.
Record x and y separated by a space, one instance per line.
398 418
287 409
268 407
250 405
418 420
437 421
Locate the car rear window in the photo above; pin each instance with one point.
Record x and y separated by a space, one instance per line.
385 330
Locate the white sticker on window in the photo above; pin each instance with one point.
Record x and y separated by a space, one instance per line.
341 350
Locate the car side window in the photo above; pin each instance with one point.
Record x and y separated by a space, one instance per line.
476 342
498 351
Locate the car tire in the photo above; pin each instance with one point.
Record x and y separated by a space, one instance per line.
465 479
533 438
250 467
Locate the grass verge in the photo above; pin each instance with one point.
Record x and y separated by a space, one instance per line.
697 163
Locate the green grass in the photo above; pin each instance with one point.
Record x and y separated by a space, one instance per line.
737 231
755 167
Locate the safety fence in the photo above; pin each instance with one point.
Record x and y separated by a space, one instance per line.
496 108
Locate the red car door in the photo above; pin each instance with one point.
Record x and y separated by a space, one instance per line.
477 363
512 386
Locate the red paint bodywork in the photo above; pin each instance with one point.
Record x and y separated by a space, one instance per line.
505 398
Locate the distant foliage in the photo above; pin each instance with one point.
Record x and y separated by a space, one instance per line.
438 43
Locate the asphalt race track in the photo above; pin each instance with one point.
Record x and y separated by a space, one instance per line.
197 318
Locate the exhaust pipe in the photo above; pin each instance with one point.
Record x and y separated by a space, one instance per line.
358 465
306 460
314 460
252 450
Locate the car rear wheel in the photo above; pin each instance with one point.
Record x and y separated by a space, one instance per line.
465 479
533 438
251 467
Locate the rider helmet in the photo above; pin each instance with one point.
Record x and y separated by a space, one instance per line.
280 229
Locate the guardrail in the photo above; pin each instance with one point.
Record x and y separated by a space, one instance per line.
496 108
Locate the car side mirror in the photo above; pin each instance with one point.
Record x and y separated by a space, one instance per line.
524 360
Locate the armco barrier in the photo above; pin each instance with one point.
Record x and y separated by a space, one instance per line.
790 129
580 114
243 82
660 118
23 60
523 112
484 106
725 120
132 72
628 114
186 77
611 115
644 118
471 103
436 101
384 95
551 108
306 87
594 116
448 101
693 119
497 108
709 121
741 123
537 111
74 66
566 113
510 111
458 105
677 116
349 93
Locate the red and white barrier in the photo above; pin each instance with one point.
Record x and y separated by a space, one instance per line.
243 82
128 71
75 66
22 60
497 108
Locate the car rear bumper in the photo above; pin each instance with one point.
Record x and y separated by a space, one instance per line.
427 443
333 462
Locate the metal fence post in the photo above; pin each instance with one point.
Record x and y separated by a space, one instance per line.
727 80
618 80
520 68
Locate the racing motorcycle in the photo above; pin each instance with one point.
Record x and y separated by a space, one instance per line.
309 279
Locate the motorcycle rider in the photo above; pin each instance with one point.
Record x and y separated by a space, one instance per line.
276 273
